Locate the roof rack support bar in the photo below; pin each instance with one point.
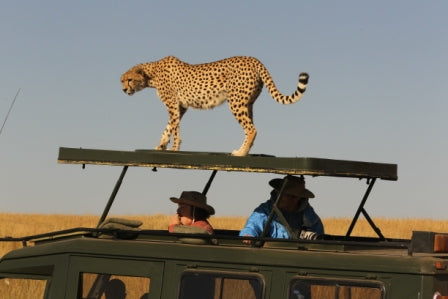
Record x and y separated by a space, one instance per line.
284 222
112 196
361 209
374 227
279 213
210 180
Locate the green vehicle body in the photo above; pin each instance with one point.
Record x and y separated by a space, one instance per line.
86 262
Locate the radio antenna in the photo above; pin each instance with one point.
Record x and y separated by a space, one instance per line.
9 111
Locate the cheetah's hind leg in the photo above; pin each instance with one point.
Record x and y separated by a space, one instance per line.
247 144
245 120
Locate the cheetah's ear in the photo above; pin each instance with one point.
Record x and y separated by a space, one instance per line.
142 73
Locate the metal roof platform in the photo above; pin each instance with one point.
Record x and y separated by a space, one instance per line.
226 162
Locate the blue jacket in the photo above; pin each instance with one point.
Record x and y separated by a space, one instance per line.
306 218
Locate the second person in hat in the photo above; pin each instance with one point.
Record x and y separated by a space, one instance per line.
295 208
192 210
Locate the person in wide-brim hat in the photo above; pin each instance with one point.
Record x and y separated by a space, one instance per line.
294 206
195 199
192 210
294 186
295 196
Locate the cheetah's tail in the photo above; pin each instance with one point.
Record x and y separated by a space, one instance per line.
279 97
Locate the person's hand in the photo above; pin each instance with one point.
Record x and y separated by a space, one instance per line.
247 241
175 220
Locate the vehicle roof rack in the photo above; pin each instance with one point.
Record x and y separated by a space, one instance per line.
227 162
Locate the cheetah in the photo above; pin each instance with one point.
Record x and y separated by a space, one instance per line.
180 85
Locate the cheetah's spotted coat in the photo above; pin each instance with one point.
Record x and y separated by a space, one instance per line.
239 80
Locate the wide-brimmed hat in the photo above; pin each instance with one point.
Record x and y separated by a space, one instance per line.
195 199
294 185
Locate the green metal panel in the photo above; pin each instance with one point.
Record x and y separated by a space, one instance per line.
400 272
226 162
379 261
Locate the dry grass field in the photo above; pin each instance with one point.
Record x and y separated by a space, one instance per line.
18 225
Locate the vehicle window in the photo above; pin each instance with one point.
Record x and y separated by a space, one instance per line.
336 289
108 286
205 285
22 288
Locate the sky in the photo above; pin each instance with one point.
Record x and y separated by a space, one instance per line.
376 93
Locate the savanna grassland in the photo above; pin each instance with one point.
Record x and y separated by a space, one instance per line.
18 225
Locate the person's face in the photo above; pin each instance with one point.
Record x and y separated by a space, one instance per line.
185 213
290 203
184 210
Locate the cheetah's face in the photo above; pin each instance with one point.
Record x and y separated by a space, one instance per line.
133 81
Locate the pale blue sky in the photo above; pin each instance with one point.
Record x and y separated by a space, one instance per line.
377 92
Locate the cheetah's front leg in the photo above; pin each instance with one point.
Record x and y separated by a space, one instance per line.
175 123
175 113
165 139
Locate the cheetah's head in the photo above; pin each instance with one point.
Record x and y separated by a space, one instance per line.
134 80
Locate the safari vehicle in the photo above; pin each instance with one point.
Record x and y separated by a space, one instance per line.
123 261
